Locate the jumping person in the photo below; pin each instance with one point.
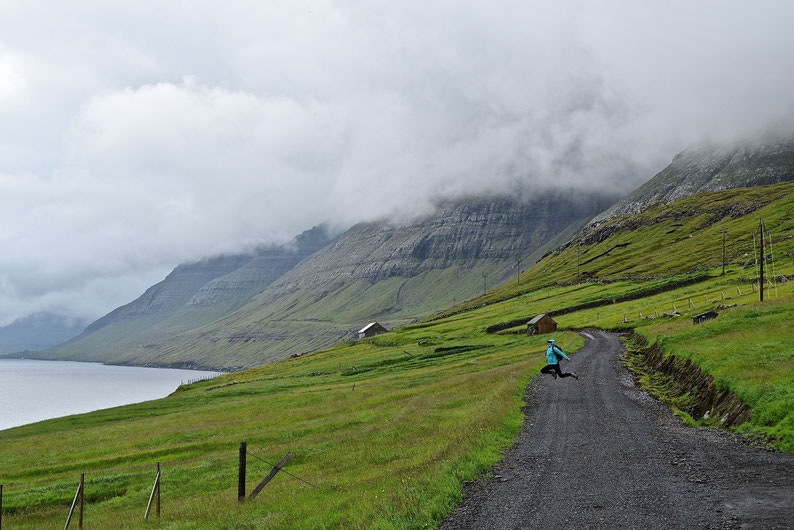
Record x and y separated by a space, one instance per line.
553 356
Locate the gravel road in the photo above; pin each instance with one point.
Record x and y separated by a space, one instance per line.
601 453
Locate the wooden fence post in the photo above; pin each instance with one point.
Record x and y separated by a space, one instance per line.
158 489
155 492
270 475
78 494
241 473
82 496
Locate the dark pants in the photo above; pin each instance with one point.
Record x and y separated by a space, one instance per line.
549 368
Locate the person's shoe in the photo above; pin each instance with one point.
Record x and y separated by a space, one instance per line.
574 376
554 374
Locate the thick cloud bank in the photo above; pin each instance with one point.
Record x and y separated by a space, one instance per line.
137 135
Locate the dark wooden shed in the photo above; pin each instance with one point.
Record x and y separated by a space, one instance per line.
371 329
542 323
708 315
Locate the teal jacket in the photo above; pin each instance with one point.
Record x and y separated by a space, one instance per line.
550 357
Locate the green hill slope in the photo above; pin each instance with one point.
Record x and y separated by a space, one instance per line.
388 429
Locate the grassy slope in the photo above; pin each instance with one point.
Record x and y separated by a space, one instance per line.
394 451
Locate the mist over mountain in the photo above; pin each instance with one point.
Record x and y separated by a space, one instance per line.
709 166
247 310
236 311
192 295
138 136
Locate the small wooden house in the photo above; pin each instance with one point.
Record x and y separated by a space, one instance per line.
542 323
371 329
702 317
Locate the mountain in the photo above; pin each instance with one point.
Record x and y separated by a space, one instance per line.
238 311
191 295
713 167
38 332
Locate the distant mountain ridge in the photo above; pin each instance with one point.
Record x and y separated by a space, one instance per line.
246 310
38 332
713 167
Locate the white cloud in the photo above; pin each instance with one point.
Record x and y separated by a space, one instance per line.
139 134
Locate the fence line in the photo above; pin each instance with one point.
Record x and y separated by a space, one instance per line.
283 471
199 379
709 299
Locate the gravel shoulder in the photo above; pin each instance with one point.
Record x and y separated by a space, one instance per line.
601 453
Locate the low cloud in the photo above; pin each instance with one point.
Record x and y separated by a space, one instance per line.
138 135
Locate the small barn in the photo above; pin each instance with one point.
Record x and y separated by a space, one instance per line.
702 317
371 329
542 323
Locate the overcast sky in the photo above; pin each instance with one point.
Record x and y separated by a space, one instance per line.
135 135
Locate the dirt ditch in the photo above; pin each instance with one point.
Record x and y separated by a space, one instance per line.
680 384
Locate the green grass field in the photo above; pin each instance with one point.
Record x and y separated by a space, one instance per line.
388 429
391 452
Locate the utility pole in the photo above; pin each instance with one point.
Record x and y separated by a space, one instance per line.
761 278
723 252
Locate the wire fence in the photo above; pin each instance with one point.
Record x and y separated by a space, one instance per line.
76 510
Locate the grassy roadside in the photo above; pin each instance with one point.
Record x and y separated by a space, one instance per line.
749 351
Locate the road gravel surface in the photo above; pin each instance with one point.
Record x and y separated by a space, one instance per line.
599 452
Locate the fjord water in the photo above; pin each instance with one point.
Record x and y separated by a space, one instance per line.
33 390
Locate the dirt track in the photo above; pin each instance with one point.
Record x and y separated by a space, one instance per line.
600 453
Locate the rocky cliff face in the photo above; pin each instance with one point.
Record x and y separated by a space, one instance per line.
708 167
462 233
171 294
253 273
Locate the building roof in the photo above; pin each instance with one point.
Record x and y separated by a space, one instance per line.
537 319
371 324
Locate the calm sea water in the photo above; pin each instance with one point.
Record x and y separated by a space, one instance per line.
38 390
